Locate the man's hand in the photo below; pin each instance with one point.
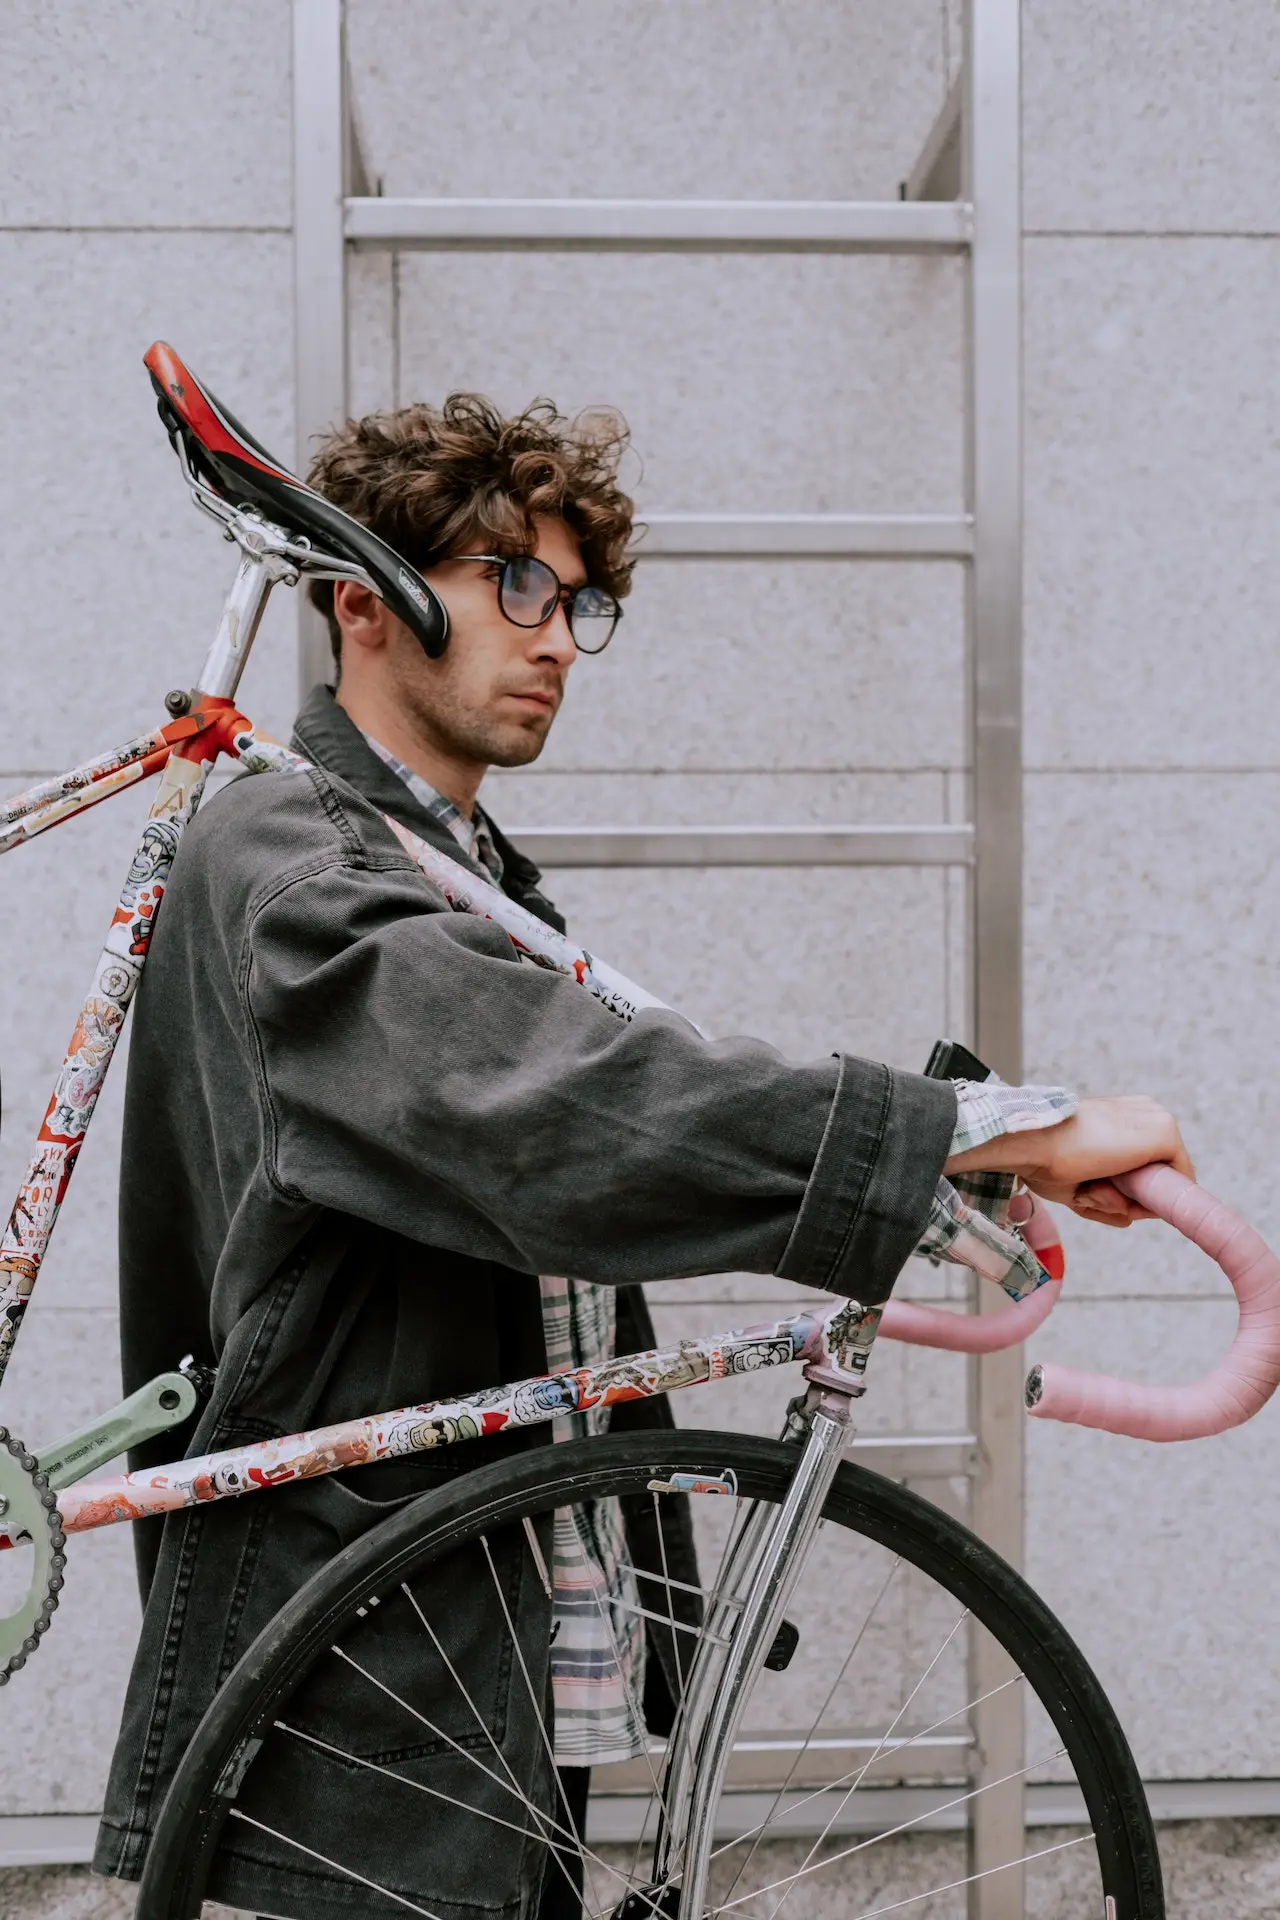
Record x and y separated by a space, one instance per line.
1071 1162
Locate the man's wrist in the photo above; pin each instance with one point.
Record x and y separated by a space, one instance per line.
996 1125
1025 1153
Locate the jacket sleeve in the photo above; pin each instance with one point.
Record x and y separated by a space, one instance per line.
414 1073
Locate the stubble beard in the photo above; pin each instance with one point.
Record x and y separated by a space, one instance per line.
454 727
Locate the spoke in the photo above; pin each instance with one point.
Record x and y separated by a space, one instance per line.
732 1535
638 1855
636 1713
539 1558
681 1586
863 1771
677 1626
418 1786
668 1846
543 1819
816 1723
553 1825
337 1866
471 1759
542 1725
896 1906
900 1746
519 1651
683 1679
860 1846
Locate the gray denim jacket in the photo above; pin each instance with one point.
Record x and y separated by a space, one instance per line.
356 1129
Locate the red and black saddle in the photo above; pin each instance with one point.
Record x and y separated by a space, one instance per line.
239 469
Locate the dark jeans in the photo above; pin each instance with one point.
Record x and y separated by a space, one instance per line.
562 1889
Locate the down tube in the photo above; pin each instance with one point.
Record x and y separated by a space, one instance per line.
98 1028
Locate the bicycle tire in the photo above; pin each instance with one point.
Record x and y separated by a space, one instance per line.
202 1792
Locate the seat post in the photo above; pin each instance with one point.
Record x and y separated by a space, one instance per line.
262 566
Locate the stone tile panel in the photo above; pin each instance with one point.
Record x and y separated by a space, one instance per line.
1152 578
116 583
1151 943
660 101
150 113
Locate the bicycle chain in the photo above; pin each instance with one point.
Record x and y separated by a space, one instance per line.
30 1508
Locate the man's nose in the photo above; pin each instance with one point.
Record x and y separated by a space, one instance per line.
555 640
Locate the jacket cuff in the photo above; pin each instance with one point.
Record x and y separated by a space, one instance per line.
868 1198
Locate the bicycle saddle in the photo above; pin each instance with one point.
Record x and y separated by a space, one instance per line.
227 458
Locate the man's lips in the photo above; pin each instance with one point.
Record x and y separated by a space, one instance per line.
539 696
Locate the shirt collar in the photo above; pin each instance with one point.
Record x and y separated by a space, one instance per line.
472 835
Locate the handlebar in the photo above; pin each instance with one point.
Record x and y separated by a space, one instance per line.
1237 1388
1243 1380
922 1326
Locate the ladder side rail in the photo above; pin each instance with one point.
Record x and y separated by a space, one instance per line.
991 163
323 149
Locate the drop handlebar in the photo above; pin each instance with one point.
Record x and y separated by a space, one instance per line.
1241 1383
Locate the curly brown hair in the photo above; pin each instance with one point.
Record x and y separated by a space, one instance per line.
435 481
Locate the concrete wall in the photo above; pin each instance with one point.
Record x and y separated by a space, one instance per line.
1152 595
145 175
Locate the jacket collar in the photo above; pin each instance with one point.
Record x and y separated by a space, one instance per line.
328 735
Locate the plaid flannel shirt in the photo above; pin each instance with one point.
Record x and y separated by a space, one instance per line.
473 835
597 1650
969 1219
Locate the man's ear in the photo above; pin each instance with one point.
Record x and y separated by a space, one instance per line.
363 619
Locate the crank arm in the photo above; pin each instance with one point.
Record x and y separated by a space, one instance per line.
163 1403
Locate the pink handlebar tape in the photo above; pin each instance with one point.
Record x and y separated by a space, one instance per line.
1243 1380
988 1332
970 1332
1241 1383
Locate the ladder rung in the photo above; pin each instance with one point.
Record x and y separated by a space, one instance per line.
930 846
789 226
917 1456
769 536
792 1763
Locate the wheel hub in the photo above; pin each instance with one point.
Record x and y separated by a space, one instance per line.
649 1903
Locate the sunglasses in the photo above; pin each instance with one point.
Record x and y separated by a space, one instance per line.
529 591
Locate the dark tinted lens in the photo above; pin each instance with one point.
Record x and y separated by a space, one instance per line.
592 618
529 591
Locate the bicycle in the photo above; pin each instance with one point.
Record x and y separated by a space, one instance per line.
741 1785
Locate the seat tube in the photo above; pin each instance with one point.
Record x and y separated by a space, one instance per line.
26 1236
781 1544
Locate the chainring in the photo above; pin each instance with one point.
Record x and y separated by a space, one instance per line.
30 1512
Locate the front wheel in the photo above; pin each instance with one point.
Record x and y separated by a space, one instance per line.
380 1750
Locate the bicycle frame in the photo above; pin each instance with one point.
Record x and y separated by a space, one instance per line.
834 1346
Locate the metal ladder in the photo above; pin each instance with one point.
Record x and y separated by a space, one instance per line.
962 197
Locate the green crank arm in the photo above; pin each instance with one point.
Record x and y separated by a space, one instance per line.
163 1403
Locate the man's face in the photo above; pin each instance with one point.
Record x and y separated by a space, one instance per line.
493 695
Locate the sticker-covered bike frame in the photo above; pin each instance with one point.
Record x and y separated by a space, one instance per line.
835 1342
188 750
834 1346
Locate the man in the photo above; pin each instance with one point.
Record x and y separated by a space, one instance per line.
389 1139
